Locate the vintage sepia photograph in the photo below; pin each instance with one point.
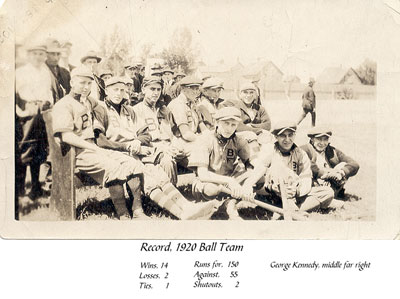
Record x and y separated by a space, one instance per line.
252 111
146 113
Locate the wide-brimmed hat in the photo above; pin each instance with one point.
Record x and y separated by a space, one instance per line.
91 54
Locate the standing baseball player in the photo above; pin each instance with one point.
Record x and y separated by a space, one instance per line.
215 159
115 128
330 166
309 103
210 101
287 169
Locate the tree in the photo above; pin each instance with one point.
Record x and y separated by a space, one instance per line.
180 52
115 50
367 72
145 51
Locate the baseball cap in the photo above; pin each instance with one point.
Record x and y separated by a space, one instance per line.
247 86
204 78
156 72
82 71
213 82
150 80
168 70
91 54
282 126
319 132
115 80
105 72
37 48
190 81
228 113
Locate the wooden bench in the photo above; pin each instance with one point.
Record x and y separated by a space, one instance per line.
65 179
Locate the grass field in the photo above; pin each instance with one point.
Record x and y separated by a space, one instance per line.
354 132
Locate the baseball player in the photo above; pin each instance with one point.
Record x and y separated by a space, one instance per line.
215 160
150 114
309 103
255 124
330 166
115 128
210 100
286 166
185 121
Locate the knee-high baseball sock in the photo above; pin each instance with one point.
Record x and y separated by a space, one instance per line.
118 199
135 185
188 209
165 202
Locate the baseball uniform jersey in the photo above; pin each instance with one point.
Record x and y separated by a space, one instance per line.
159 128
218 156
118 127
183 112
296 161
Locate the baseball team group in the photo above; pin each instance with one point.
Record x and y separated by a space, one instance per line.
136 131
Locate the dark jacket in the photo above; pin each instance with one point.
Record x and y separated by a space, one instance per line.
308 99
60 81
333 158
260 122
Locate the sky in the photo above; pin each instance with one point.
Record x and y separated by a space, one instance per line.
300 37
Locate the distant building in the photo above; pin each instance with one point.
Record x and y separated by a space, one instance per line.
337 75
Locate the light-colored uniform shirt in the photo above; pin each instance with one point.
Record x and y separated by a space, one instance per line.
219 157
118 127
34 84
296 166
71 115
183 112
148 116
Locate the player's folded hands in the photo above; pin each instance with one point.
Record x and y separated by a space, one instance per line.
134 147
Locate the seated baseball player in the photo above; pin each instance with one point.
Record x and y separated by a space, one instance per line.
210 101
330 166
150 114
115 128
215 160
72 122
186 124
255 124
286 166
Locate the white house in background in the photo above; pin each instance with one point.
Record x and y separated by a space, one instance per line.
338 75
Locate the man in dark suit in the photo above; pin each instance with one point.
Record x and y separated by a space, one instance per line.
59 75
